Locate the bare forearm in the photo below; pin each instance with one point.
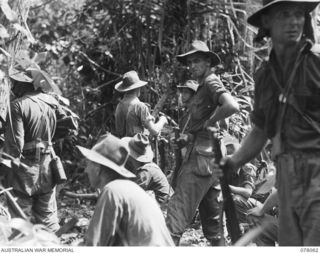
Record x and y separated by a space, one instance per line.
246 193
228 107
250 148
223 112
155 128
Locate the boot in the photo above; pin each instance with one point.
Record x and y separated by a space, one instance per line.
176 239
218 241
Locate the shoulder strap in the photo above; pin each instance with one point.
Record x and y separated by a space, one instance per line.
293 102
285 92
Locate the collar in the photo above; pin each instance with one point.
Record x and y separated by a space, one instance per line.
304 47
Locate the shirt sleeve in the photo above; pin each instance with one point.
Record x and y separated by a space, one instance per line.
257 115
104 225
248 175
144 113
14 133
215 87
143 178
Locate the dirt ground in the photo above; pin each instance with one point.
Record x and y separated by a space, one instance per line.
83 210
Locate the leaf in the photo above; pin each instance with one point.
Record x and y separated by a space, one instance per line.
25 32
8 12
40 57
3 32
23 59
19 75
5 52
42 80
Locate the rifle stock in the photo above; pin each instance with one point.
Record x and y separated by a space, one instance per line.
228 204
155 113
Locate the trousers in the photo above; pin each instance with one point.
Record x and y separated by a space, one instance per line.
298 183
195 189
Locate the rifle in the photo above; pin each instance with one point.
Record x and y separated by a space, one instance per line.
228 204
178 157
156 111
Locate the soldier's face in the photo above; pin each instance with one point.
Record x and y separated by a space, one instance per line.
186 94
285 22
198 65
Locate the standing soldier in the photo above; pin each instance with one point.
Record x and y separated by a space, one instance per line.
30 126
133 116
286 110
195 187
186 91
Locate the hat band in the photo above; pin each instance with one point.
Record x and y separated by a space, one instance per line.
138 149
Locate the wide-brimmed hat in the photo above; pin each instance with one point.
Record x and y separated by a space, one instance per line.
110 152
130 81
199 46
139 148
255 18
36 77
190 84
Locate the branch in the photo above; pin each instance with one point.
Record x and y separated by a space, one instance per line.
98 66
45 3
93 196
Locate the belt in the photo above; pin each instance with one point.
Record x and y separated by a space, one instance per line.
37 144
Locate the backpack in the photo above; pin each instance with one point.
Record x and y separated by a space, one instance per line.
67 120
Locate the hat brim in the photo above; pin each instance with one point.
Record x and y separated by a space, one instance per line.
255 18
215 59
146 158
119 86
183 86
94 156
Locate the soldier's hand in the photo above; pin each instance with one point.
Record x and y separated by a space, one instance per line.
228 163
163 119
256 211
183 139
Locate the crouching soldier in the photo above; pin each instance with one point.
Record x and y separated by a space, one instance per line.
125 215
149 176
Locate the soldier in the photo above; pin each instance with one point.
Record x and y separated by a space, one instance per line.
196 185
125 215
30 126
149 176
133 116
186 92
286 110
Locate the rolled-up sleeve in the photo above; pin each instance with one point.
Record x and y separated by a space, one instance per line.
248 175
144 113
215 88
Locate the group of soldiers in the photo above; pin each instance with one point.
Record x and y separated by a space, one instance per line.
286 111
